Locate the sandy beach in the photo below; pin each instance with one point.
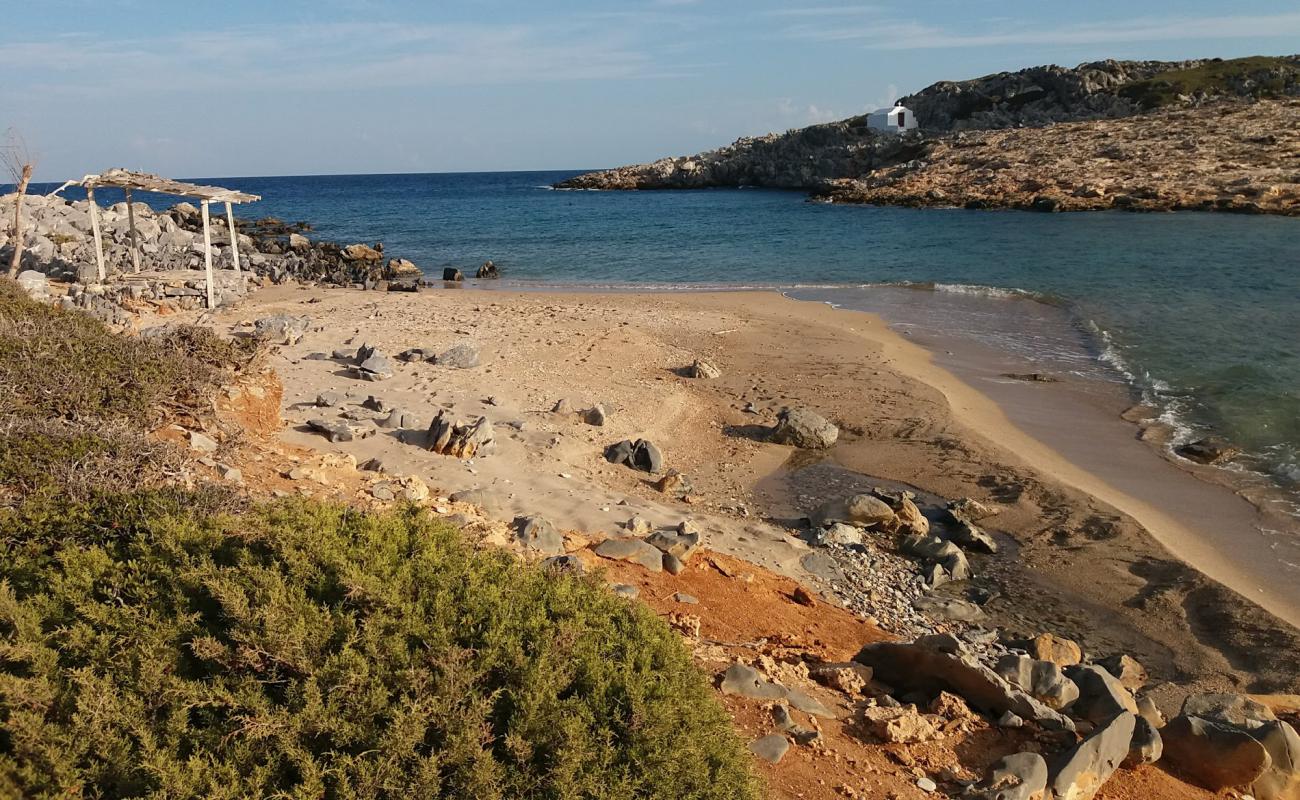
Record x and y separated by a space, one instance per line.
1104 541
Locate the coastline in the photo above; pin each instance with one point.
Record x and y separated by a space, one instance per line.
1081 562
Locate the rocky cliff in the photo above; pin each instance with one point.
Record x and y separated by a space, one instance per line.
822 157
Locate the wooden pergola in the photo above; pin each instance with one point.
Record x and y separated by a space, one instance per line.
127 180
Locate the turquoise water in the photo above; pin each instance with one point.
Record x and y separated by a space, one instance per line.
1199 312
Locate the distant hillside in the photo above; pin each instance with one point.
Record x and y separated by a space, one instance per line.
811 158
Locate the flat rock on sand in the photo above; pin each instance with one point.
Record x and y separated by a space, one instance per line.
634 550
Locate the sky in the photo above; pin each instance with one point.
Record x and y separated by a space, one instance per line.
297 87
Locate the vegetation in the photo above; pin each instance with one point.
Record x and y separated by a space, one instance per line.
165 642
304 650
57 364
1254 76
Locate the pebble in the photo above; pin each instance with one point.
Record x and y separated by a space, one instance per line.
927 785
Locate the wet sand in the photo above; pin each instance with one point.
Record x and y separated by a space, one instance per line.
1111 544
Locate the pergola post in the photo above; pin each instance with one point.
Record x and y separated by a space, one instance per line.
207 254
94 227
234 235
130 218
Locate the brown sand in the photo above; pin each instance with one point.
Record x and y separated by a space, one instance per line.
1107 567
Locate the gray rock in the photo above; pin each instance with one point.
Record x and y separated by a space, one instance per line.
641 455
375 404
595 416
681 545
915 667
1084 769
626 590
703 369
673 565
463 356
374 465
1042 679
744 680
328 399
771 748
202 443
1126 669
1146 747
1281 780
638 525
1234 709
1101 695
949 608
334 430
805 429
860 509
36 284
539 535
375 368
400 419
562 406
682 597
632 550
970 536
282 328
838 533
1212 754
822 565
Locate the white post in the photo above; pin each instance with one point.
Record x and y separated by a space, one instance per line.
94 227
130 218
234 236
207 254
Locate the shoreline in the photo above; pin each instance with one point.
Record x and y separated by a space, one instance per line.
906 419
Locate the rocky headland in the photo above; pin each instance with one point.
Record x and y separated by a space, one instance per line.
1207 135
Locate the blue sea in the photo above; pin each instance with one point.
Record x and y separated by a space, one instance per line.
1196 313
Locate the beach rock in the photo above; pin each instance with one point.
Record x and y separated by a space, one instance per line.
804 429
334 430
1281 779
1146 747
460 439
919 667
641 455
673 482
902 725
1083 770
771 748
1101 695
1237 710
401 269
1042 679
680 545
1214 755
463 356
859 509
488 271
1126 669
281 328
1021 776
375 368
452 275
703 369
361 252
838 534
632 550
1211 450
539 535
910 518
742 679
1047 647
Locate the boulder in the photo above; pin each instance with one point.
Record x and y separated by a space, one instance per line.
595 416
901 725
703 369
804 429
298 242
632 550
1047 647
375 368
539 535
1212 754
399 419
281 328
1085 768
460 439
361 252
638 525
910 518
679 545
641 455
970 536
488 271
1021 776
859 509
1281 780
463 356
1101 695
402 269
1234 709
1146 747
1042 679
36 284
921 667
1126 669
836 534
744 680
452 275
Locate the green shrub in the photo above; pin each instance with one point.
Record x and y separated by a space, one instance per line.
57 364
1253 76
305 650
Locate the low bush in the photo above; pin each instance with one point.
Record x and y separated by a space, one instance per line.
151 648
57 364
